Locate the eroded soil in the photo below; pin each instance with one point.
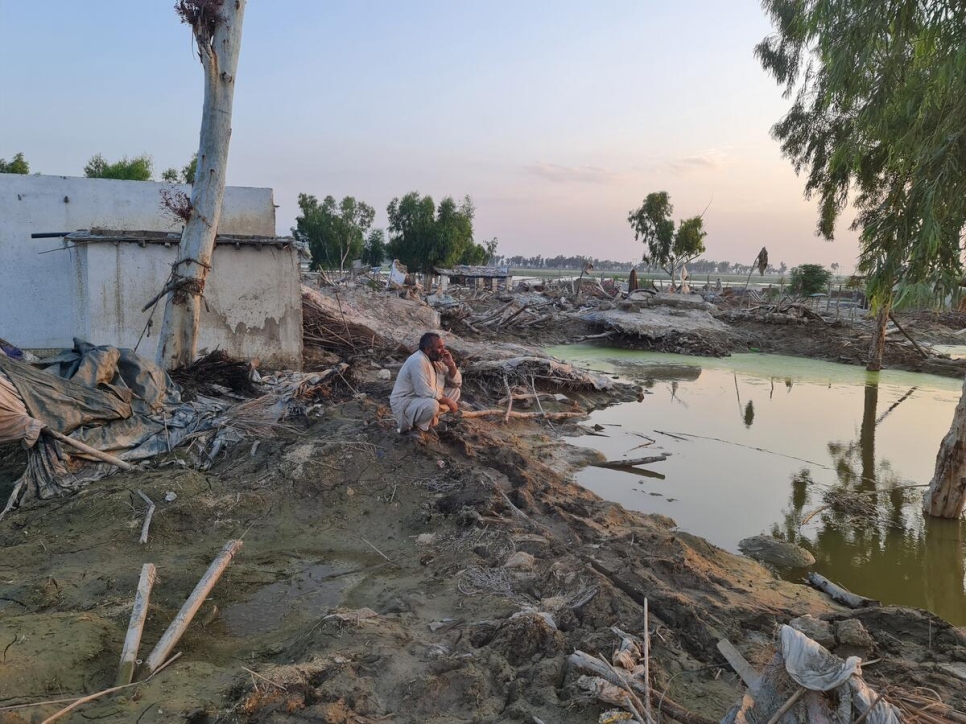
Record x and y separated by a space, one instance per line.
382 580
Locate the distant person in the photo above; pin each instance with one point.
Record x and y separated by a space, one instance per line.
632 281
427 386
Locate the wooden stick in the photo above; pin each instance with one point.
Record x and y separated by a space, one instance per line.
99 694
147 517
177 628
630 462
93 452
135 628
509 404
522 415
786 706
588 663
376 550
647 666
905 334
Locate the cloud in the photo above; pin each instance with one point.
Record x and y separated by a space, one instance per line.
710 160
574 174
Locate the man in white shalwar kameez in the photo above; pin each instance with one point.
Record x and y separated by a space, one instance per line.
427 386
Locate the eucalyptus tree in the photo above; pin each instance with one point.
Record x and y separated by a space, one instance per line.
879 97
424 236
664 246
335 232
217 29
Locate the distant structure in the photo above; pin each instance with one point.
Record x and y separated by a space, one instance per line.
493 277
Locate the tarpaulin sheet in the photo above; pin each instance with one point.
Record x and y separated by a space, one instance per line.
15 424
60 404
108 398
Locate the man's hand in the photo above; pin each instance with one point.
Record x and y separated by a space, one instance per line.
447 359
447 402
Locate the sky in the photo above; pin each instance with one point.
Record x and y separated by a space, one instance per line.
556 117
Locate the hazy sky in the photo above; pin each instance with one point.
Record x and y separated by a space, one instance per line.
557 117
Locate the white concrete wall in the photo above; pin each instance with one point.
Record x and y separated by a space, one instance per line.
253 299
97 293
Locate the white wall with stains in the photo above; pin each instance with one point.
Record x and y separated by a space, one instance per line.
53 293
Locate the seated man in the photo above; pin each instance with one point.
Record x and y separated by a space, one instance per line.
428 384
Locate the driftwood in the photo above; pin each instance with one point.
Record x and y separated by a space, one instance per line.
135 628
837 593
177 628
629 462
147 518
93 452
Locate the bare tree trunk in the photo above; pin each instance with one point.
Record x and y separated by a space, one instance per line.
877 346
178 341
946 497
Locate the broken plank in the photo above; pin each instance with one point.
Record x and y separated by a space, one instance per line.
741 666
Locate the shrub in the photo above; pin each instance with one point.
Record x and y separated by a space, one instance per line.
809 279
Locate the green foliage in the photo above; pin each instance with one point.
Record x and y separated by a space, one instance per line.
809 279
185 176
663 246
18 164
423 236
135 169
490 248
876 121
374 251
335 233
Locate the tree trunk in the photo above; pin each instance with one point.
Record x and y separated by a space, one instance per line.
877 346
178 341
946 497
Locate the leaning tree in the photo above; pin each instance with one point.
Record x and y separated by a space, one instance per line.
217 29
877 122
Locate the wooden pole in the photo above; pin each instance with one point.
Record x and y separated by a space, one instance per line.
135 628
177 628
93 452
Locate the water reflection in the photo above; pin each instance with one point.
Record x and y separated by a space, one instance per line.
837 464
868 529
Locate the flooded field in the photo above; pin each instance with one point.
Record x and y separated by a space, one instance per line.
827 456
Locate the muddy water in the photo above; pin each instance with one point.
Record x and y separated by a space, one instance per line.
764 444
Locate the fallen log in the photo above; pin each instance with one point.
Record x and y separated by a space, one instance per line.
84 448
630 462
177 628
837 593
132 641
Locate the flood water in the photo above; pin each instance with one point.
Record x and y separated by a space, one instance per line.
781 445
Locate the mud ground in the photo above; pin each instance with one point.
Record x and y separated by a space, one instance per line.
386 581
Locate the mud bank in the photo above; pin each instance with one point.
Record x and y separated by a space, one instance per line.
381 580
